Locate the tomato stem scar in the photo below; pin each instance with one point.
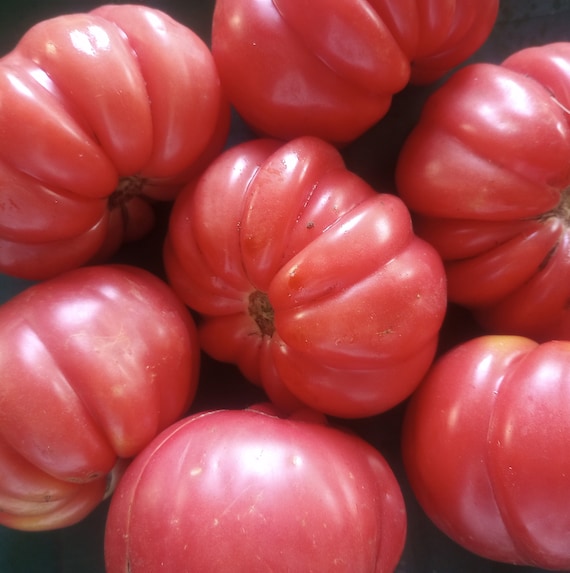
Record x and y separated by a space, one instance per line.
262 312
127 188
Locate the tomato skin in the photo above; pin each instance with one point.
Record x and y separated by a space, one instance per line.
95 362
483 445
92 100
292 68
298 266
485 172
267 493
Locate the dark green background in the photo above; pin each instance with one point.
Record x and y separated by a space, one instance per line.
79 549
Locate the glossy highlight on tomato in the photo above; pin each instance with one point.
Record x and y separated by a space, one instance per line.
309 280
102 114
295 68
95 363
259 492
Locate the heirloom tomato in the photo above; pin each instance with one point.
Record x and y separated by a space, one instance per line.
486 171
309 280
94 363
101 114
330 69
485 446
248 491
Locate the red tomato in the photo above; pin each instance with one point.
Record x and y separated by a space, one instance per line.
103 113
307 278
485 446
94 362
486 170
245 490
327 69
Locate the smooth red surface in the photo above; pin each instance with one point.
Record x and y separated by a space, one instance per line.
354 300
84 155
296 68
246 487
94 364
485 448
486 171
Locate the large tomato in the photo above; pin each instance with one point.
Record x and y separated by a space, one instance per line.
306 277
485 446
249 491
330 69
487 171
94 362
101 114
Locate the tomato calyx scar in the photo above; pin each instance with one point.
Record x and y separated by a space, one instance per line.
561 211
262 312
127 189
562 214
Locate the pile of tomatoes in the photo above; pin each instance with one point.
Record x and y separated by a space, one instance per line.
248 346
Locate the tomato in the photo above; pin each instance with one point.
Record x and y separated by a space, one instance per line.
486 171
330 70
102 114
94 362
485 442
306 277
259 492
